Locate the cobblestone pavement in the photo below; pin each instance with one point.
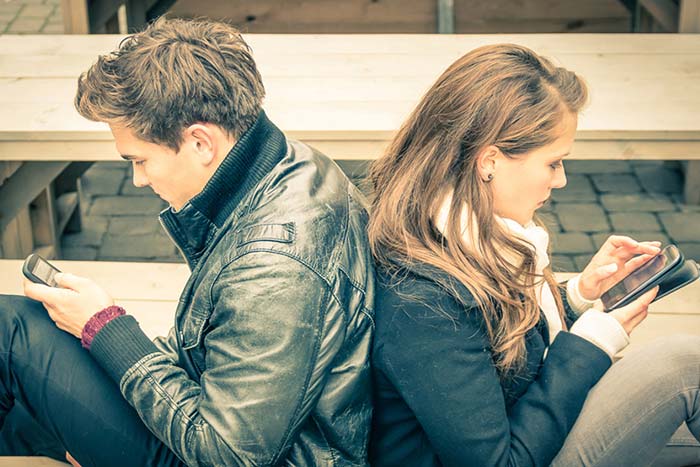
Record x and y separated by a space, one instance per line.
31 17
640 199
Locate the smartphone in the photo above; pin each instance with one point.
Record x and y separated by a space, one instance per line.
38 270
681 277
646 277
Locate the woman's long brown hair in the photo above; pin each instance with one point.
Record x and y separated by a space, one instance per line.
502 95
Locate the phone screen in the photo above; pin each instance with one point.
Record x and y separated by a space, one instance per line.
45 272
641 276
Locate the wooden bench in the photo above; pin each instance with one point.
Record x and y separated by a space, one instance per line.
345 94
152 300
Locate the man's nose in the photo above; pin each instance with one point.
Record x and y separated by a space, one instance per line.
140 179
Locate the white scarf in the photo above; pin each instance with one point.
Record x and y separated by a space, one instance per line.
536 236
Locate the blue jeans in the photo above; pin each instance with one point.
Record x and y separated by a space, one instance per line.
55 398
644 411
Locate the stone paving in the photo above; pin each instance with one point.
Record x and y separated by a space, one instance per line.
31 17
640 199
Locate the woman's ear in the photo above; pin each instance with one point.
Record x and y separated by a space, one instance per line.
486 162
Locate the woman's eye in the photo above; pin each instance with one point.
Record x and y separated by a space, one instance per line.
556 165
138 162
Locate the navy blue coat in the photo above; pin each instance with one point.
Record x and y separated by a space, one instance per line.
438 398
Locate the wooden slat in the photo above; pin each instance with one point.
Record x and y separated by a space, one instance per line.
29 180
689 21
664 11
418 16
75 16
123 280
316 58
153 298
19 461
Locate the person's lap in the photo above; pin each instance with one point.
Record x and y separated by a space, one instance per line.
638 406
62 390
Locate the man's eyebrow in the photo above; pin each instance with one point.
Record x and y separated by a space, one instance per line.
558 157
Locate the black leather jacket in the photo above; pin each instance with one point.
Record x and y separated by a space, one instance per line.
268 361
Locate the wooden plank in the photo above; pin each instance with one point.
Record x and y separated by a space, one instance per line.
391 16
364 146
278 46
44 222
24 186
156 281
659 325
665 12
75 16
445 16
10 246
153 298
19 461
689 21
16 241
314 58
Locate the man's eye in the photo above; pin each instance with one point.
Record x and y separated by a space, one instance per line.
138 162
556 165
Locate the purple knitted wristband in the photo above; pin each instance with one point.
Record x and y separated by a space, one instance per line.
97 322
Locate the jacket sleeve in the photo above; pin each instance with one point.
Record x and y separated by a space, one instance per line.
266 357
168 344
443 369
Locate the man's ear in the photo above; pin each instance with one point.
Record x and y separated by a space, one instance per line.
486 162
202 141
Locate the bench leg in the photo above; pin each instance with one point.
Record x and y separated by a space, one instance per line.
692 182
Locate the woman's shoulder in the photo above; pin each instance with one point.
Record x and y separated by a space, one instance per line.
423 296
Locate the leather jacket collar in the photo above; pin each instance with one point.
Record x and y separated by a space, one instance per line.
254 155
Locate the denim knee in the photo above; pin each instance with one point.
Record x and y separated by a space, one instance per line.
678 354
17 311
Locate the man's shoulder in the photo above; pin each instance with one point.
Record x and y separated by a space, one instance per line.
305 208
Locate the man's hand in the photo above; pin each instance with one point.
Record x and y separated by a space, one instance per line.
71 305
616 259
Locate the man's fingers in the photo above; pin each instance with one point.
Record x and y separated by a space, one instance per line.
70 281
40 292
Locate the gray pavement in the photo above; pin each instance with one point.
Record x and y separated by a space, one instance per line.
640 199
120 220
31 17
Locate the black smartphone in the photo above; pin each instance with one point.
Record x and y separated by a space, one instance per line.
680 277
38 270
646 277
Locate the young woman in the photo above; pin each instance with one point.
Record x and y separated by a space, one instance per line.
478 359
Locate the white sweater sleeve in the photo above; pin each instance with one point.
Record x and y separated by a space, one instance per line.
573 295
602 330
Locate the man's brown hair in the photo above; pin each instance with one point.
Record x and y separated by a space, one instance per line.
171 75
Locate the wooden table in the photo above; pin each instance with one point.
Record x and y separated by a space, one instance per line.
347 94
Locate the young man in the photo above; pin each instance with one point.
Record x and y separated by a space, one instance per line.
267 362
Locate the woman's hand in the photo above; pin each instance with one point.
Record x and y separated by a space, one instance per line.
616 259
634 313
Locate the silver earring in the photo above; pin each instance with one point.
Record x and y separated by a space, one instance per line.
489 177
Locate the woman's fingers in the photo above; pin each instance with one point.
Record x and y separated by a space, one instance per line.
631 315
